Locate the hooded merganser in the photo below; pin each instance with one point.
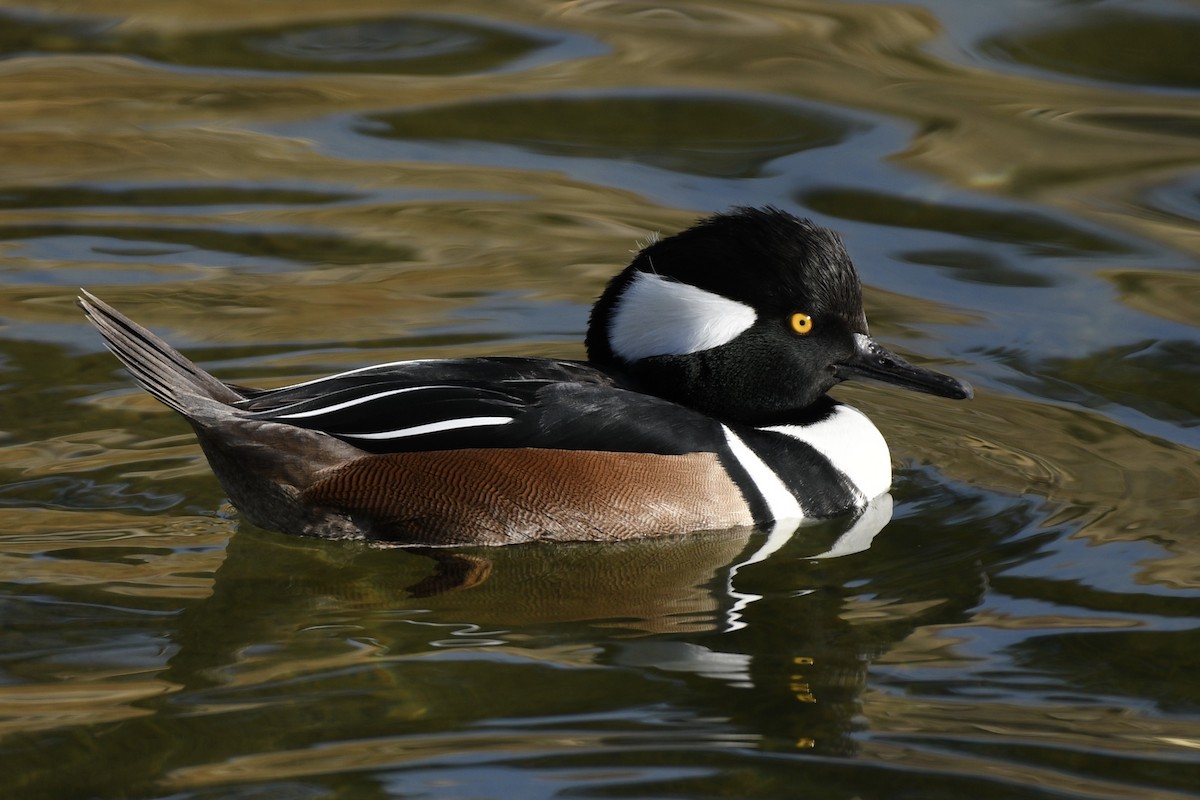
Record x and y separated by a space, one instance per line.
702 405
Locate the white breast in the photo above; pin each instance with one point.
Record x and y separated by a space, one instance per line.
853 445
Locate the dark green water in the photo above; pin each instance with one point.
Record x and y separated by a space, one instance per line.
288 190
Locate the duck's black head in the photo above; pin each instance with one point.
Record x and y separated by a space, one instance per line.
749 316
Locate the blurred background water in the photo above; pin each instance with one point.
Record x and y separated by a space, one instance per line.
288 189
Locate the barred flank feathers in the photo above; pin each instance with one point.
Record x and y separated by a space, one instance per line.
157 367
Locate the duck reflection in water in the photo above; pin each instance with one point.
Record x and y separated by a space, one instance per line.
735 620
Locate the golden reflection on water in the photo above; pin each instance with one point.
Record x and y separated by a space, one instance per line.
1174 296
175 560
397 752
89 702
1006 726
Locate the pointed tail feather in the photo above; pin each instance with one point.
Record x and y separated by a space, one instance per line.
157 367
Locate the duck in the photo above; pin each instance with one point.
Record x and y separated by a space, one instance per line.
703 404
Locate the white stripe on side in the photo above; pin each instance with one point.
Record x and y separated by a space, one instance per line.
335 376
852 444
316 412
781 503
432 427
658 317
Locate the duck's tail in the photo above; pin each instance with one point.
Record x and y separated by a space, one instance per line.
157 367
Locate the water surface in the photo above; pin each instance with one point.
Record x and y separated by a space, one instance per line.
284 192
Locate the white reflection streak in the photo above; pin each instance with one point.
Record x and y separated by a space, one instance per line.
463 629
855 539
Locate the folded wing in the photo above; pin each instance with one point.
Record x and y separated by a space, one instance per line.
489 403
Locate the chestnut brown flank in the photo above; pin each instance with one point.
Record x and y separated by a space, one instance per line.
500 496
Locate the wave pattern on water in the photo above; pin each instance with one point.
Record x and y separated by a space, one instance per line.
290 191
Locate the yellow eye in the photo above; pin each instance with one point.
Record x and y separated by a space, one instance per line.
802 323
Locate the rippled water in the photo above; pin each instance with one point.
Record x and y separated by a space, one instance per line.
289 189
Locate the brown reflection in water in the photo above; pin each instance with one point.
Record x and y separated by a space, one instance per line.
655 585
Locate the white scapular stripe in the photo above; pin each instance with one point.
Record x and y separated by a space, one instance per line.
852 444
316 412
658 317
781 503
433 427
351 372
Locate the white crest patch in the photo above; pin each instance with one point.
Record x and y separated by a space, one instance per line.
658 317
853 445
